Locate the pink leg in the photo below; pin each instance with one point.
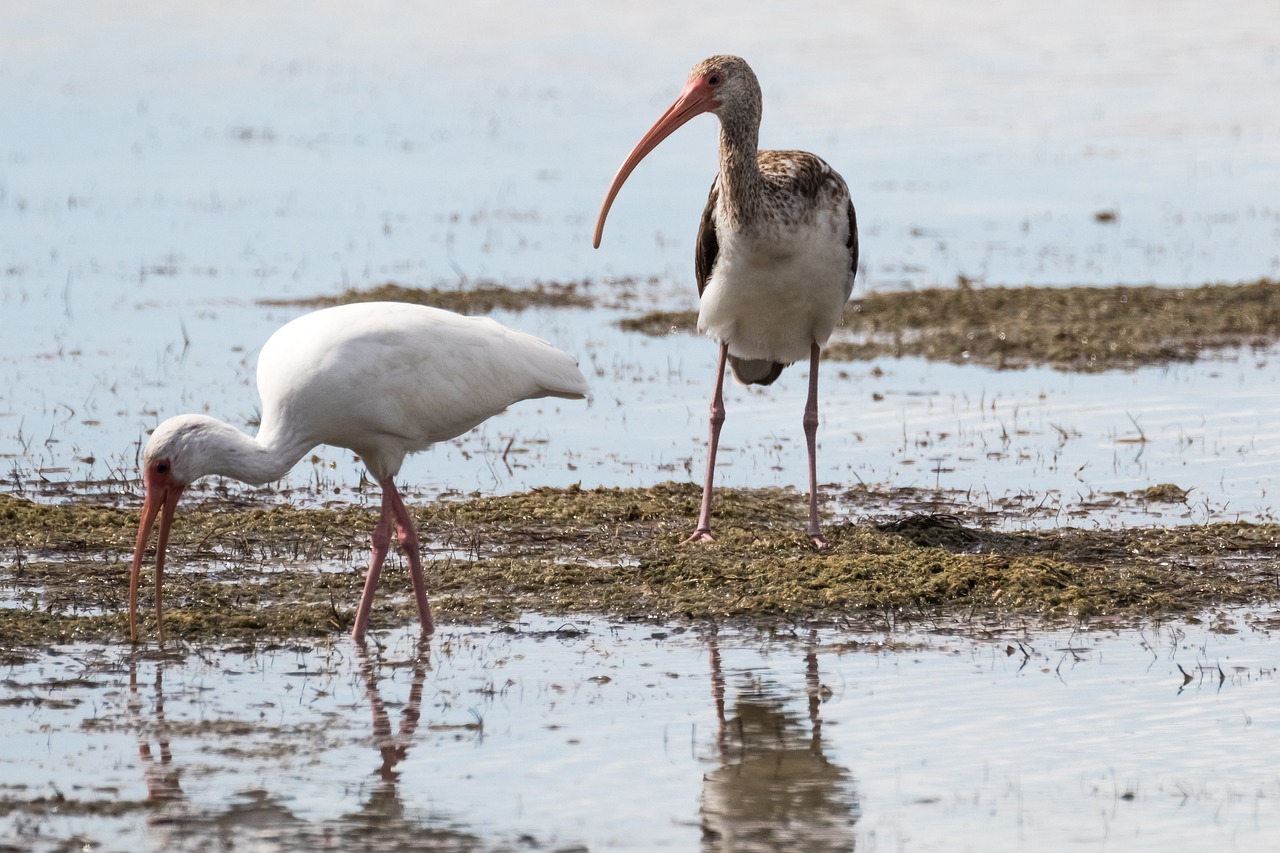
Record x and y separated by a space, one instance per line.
703 533
409 541
381 544
810 437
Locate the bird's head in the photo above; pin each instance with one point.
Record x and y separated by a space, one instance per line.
183 449
173 458
720 84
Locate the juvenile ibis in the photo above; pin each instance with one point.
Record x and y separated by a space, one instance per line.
383 379
776 256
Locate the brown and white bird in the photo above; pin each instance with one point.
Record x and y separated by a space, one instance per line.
383 379
776 257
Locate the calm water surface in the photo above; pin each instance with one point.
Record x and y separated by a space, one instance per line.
595 735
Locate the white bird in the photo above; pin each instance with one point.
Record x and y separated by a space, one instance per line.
383 379
776 257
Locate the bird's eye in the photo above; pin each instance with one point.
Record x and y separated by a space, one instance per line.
162 468
713 80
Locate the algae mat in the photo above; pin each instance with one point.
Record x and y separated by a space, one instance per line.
1069 328
249 571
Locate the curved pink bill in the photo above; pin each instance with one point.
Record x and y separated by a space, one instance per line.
161 499
697 98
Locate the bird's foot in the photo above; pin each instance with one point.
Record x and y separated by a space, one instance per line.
702 534
819 541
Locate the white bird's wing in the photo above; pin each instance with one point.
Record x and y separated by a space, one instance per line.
386 379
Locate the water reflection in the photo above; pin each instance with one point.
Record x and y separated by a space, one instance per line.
176 823
775 788
266 814
163 777
217 749
384 804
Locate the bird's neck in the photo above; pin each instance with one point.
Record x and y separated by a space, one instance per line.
741 184
222 450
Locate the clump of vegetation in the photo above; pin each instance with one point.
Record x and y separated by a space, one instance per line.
285 572
1069 328
482 298
1169 493
658 323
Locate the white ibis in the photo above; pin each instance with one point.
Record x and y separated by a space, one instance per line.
383 379
776 257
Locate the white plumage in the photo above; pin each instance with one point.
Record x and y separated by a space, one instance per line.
407 377
773 292
383 379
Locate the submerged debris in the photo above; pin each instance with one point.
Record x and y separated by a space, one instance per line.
1168 493
1069 328
280 571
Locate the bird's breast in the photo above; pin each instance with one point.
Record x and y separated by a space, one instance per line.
777 287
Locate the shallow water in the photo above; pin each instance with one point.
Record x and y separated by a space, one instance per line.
589 734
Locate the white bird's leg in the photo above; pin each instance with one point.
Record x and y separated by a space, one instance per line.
381 541
703 533
409 541
810 437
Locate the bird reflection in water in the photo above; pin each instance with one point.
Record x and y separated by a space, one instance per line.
175 822
385 801
382 821
259 818
162 776
775 788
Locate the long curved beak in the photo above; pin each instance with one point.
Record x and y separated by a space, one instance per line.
697 98
161 499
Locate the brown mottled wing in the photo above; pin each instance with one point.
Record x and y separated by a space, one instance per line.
708 246
853 249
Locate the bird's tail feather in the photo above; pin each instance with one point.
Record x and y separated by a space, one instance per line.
755 371
558 374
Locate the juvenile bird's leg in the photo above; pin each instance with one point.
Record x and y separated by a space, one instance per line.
381 543
409 541
810 437
703 533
